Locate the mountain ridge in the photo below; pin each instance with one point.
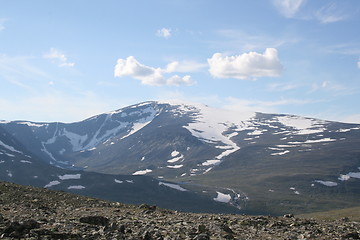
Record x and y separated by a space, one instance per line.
241 158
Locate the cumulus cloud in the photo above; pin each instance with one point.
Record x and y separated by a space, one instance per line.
164 32
58 57
149 75
288 8
247 65
184 66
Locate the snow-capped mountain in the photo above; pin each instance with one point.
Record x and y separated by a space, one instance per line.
20 166
255 157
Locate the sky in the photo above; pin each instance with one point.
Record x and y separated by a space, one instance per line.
69 60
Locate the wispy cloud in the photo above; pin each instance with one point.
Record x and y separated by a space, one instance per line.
282 87
331 13
150 75
243 41
333 87
288 8
343 48
246 66
358 63
18 70
58 57
164 32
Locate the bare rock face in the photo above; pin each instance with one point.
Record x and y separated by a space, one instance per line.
30 213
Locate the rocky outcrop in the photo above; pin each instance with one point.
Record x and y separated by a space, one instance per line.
31 213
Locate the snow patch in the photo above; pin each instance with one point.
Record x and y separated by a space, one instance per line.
285 146
210 125
141 123
25 161
302 125
222 197
256 132
211 162
70 176
118 181
77 141
76 187
142 172
52 183
327 183
345 177
12 149
175 159
174 153
314 141
280 153
31 124
174 186
295 191
175 166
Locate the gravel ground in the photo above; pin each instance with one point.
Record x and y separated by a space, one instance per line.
32 213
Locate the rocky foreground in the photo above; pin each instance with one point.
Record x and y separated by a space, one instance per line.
30 213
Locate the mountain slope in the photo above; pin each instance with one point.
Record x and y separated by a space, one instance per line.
272 162
20 166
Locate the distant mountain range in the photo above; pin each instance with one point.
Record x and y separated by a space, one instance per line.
256 162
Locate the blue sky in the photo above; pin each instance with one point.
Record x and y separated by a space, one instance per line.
68 60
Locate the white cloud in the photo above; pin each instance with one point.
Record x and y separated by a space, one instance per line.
184 66
164 32
282 87
247 65
59 57
18 70
149 75
288 8
358 63
242 41
330 13
330 86
343 48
